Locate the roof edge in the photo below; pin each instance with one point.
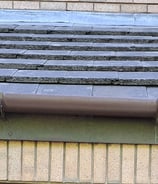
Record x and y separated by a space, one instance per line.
77 17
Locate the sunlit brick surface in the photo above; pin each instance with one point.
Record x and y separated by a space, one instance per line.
57 157
114 163
128 163
71 162
100 159
28 158
14 160
42 161
142 164
78 163
85 162
3 160
129 6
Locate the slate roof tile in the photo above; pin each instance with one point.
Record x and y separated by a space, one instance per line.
73 60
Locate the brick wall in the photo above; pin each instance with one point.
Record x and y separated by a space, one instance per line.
128 6
74 162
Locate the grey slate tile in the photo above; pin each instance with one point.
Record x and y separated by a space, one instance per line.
105 65
18 88
82 28
92 53
48 45
44 52
3 87
68 65
15 36
120 91
138 78
2 42
138 75
72 44
10 51
6 73
93 75
68 62
115 38
150 63
26 45
111 55
65 90
125 46
150 66
34 28
137 53
70 77
80 38
122 66
21 63
78 46
73 29
93 65
118 65
152 92
7 27
41 54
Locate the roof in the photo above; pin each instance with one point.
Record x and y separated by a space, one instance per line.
79 61
41 63
63 58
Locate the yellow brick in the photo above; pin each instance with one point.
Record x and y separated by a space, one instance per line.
102 7
14 160
140 1
153 8
152 1
3 160
146 1
154 164
57 150
90 1
26 5
53 5
114 163
71 162
6 4
85 162
128 158
133 8
120 1
28 161
42 167
80 6
99 163
142 175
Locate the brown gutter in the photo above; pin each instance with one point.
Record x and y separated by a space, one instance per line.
94 106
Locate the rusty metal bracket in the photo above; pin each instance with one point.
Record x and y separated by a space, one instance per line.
2 113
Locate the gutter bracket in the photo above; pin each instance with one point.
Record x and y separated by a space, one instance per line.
2 113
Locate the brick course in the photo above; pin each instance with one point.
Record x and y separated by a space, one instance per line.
123 6
78 162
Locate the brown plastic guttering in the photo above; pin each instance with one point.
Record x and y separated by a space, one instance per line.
94 106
